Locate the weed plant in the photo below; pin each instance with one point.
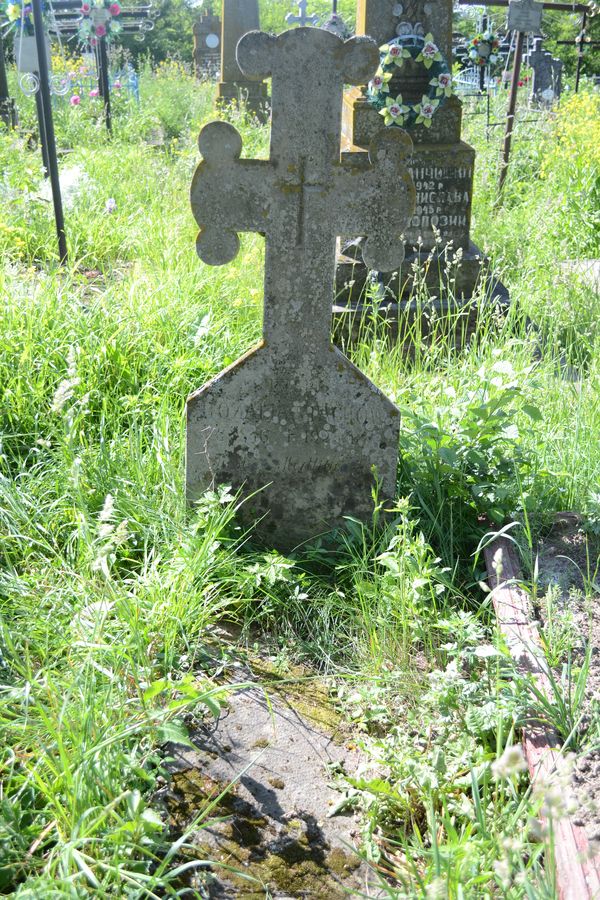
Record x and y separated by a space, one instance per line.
109 590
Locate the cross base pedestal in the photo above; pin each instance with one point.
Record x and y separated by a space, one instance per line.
253 95
457 298
299 435
360 121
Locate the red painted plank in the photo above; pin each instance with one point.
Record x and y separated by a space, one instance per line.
577 871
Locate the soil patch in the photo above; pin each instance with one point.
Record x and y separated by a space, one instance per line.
271 833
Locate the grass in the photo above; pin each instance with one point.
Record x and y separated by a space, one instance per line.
110 591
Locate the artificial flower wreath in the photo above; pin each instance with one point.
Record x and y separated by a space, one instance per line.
483 49
19 14
393 55
98 20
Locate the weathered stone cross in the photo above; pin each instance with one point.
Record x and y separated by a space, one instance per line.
294 416
302 18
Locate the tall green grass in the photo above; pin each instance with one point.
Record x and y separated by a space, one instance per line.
109 589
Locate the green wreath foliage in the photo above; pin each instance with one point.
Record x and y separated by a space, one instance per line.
393 56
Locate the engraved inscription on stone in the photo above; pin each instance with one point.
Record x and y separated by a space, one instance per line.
443 202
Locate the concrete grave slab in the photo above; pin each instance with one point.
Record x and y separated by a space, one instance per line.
276 823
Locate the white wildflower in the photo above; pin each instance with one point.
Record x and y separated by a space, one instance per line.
108 510
63 394
486 651
511 845
559 801
72 361
555 792
498 562
66 388
504 367
510 763
121 534
105 530
437 889
502 872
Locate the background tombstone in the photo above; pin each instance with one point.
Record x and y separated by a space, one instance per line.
303 17
441 166
547 73
293 422
525 16
238 18
207 45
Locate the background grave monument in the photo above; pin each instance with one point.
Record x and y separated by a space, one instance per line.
207 45
547 73
441 166
525 16
238 18
303 17
293 420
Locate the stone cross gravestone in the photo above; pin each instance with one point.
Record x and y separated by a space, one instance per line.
303 18
442 166
238 18
294 421
525 16
547 73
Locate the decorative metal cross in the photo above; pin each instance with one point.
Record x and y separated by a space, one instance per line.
302 18
294 416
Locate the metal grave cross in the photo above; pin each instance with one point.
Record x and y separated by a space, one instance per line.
302 18
293 423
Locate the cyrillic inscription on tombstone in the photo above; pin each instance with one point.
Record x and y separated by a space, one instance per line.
294 423
443 203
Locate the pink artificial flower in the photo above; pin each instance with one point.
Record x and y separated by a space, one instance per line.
395 50
86 9
93 42
429 50
114 9
377 81
100 31
117 85
94 93
75 100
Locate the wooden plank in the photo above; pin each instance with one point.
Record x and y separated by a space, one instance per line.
577 871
